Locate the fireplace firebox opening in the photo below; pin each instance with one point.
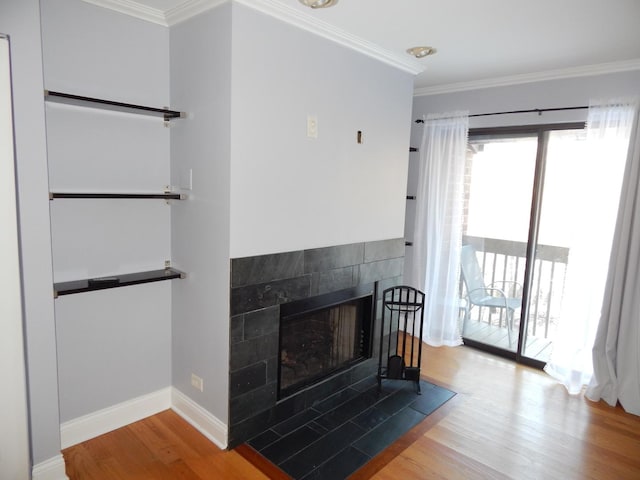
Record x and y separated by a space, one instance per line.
322 335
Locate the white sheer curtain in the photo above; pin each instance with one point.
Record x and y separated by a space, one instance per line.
608 129
616 352
438 225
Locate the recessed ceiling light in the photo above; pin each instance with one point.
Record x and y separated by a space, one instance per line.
420 52
319 3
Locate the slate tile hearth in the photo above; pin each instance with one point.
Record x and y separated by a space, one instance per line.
337 436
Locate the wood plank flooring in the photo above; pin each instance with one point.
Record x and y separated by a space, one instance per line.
507 422
163 446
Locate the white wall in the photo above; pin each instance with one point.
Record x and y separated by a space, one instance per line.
201 86
259 184
21 20
14 441
92 150
290 192
255 190
113 345
97 52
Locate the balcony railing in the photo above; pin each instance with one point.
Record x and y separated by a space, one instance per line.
505 260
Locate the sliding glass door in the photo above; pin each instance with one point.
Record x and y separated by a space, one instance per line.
539 219
499 183
579 195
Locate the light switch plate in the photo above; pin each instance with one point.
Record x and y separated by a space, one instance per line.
312 126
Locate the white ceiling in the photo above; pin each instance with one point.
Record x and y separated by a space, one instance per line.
479 42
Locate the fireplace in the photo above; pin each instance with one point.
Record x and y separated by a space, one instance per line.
266 288
322 335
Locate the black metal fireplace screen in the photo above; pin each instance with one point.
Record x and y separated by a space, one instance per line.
322 335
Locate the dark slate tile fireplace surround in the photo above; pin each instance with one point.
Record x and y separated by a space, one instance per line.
259 285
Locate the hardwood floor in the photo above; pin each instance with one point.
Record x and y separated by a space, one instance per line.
507 422
159 447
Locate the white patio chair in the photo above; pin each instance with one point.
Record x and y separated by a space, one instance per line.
481 295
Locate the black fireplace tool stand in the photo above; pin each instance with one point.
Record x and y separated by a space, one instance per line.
401 323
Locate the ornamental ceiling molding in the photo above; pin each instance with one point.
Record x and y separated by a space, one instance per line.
133 9
559 74
281 11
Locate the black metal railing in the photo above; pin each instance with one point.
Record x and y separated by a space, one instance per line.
502 260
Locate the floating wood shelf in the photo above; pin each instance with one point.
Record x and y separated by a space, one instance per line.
77 100
161 196
114 281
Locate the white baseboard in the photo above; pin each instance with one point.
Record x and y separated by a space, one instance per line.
206 423
94 424
97 423
52 469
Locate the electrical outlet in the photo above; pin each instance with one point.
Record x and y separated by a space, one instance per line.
197 382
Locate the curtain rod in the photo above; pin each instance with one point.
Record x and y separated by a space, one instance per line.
533 110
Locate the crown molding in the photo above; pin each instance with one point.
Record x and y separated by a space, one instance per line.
281 11
312 24
133 9
190 8
559 74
